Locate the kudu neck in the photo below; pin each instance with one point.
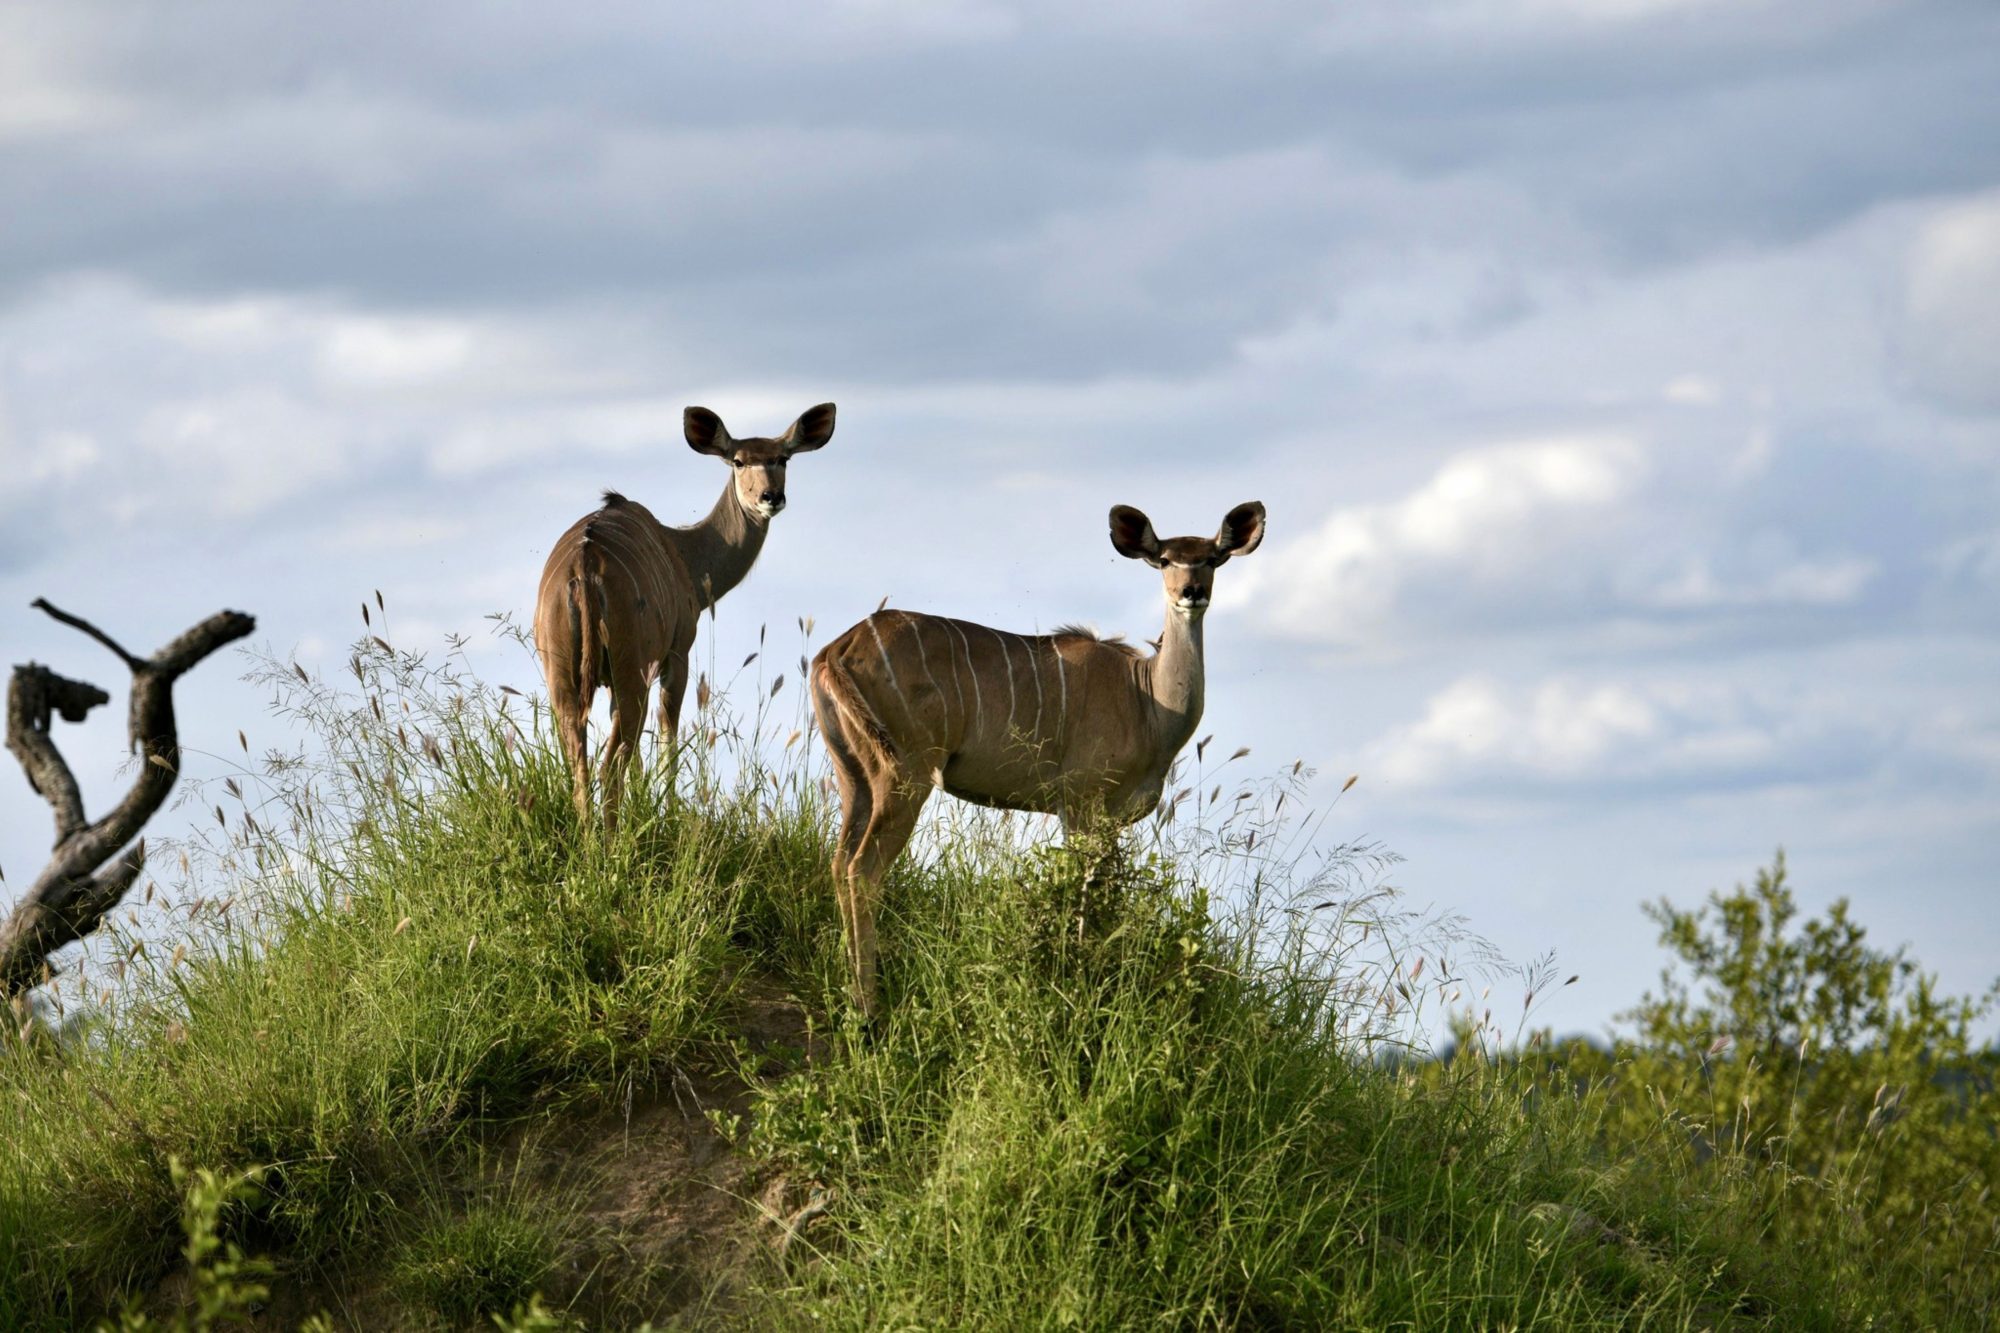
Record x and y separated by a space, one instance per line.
719 550
1174 680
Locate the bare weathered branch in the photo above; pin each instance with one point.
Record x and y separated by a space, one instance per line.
72 894
34 697
77 622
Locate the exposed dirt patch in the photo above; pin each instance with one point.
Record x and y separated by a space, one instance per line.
680 1216
667 1218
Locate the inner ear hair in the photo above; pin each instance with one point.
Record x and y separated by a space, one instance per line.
1242 530
813 429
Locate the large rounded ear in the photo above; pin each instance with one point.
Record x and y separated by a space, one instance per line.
813 428
1242 528
705 432
1132 535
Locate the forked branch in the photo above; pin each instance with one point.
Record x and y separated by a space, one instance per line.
78 888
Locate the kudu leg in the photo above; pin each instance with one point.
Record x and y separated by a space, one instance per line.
576 740
628 719
673 689
897 806
1095 839
857 809
572 718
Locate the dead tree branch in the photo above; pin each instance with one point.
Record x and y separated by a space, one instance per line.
77 889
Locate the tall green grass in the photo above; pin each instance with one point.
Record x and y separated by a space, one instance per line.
1192 1095
410 945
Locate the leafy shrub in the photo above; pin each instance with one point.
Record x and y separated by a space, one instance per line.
224 1286
1825 1089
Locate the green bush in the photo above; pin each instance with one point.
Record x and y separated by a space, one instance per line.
1826 1091
224 1286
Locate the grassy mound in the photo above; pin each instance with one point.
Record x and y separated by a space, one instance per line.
486 1064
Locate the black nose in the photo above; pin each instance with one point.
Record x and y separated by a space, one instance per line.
772 497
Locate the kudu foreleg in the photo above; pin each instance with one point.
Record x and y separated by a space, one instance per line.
1094 840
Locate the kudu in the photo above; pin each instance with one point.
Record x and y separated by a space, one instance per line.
621 594
1067 723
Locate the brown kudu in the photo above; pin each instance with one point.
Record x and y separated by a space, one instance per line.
1067 723
621 594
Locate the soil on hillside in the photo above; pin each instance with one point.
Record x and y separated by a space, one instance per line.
674 1218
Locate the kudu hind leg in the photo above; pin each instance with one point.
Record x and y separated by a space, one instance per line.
628 720
673 689
897 803
575 731
857 807
571 716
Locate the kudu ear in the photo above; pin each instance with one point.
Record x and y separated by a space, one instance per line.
1242 528
813 429
705 432
1132 535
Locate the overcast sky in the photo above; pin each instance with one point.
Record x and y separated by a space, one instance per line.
1622 378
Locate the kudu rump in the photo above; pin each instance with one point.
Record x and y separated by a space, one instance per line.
1065 723
622 592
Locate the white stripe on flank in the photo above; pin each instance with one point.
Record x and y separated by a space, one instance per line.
1062 694
1036 668
924 656
884 650
957 681
602 541
1008 658
965 646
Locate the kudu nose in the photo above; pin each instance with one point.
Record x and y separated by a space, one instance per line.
773 498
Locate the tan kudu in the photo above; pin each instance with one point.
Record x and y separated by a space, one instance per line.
622 592
1065 723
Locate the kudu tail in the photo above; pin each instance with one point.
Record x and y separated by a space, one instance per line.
845 715
586 587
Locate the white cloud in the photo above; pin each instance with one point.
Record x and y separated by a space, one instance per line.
1951 304
41 90
1692 391
1976 557
63 456
240 452
1485 517
1566 733
1605 11
483 441
391 352
1697 587
396 532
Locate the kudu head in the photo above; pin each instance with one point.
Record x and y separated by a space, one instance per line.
1188 563
760 461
